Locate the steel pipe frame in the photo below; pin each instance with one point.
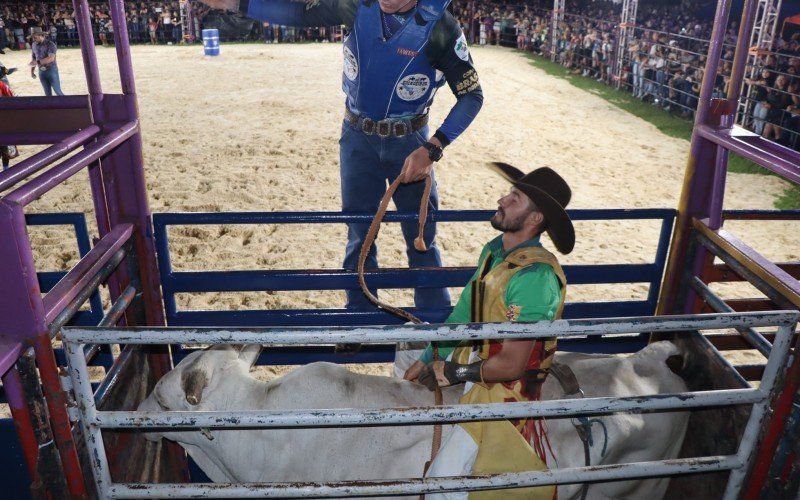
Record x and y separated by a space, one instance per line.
754 338
471 331
415 486
46 157
94 421
31 191
83 279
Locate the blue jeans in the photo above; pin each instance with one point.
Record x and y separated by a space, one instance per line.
367 163
50 80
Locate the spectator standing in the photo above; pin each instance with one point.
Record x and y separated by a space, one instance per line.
7 153
152 29
3 39
43 56
166 23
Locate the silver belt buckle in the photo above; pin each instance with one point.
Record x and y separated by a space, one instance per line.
383 128
368 126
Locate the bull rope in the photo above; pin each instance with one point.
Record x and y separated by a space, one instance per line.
419 245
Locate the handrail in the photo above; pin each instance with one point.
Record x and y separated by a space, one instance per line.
774 276
71 285
47 156
755 148
31 191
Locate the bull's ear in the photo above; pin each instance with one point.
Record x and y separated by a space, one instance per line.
249 354
193 382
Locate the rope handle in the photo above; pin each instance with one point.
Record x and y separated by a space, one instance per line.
419 245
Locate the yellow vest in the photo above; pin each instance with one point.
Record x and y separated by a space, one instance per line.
501 446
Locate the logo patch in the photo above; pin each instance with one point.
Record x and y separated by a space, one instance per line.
412 87
350 64
407 52
512 313
461 48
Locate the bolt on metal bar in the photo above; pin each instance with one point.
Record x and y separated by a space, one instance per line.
393 333
715 301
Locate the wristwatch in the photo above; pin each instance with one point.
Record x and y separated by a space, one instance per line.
434 152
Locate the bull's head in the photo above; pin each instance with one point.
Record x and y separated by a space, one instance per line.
191 384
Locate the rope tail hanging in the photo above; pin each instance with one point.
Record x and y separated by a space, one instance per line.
419 245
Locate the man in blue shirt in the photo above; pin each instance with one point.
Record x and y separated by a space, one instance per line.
398 53
43 55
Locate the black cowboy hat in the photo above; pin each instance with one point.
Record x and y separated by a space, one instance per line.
551 194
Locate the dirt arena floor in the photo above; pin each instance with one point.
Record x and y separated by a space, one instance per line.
256 129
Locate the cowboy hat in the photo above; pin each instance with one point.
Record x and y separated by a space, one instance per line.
551 194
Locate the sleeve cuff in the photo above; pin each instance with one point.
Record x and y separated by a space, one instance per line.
439 135
244 5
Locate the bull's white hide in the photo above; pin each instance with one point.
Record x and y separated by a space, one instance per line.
218 380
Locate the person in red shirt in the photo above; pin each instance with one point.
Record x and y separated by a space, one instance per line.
6 152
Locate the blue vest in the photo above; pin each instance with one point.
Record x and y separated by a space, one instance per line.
391 78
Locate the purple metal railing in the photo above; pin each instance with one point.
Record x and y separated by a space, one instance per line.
37 187
40 160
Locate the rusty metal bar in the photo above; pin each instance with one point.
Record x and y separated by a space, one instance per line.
349 489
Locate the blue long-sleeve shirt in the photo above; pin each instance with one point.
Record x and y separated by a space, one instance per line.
441 52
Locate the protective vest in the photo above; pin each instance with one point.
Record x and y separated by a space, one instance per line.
488 305
391 78
508 445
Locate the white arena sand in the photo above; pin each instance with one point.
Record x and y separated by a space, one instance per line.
256 129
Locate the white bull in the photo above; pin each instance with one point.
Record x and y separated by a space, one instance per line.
219 380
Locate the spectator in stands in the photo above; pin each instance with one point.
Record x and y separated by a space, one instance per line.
778 99
759 97
43 56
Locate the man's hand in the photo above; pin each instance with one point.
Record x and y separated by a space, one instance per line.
414 371
417 166
222 4
32 64
433 375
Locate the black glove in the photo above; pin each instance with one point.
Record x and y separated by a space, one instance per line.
428 377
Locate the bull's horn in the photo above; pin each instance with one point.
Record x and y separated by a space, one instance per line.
249 353
193 383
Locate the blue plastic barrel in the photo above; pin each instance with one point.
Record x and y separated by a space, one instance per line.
211 42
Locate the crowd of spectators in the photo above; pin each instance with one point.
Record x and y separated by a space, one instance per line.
662 63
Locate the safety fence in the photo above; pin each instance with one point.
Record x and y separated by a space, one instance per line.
93 422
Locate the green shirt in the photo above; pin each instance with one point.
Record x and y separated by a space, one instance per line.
534 291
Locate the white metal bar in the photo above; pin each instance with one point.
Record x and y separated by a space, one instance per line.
424 415
776 364
474 331
82 388
427 485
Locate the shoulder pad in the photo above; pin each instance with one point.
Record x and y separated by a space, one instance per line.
432 10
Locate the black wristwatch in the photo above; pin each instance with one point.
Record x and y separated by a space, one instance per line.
434 152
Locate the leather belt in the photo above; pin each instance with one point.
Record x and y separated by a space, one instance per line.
387 127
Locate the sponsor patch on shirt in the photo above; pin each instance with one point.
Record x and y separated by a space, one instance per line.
350 64
407 52
468 83
412 87
461 48
512 313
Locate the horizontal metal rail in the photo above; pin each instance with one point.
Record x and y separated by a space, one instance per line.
45 103
31 191
47 156
349 417
85 271
778 159
414 486
755 339
205 218
389 333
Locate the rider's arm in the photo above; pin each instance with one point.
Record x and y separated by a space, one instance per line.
290 13
532 295
449 54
